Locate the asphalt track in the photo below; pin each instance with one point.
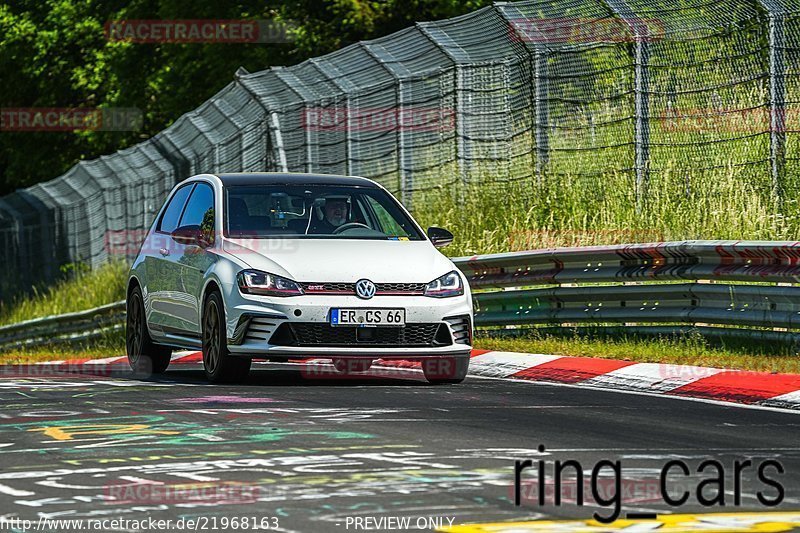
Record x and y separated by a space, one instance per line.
316 452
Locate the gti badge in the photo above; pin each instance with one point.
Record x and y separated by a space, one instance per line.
365 289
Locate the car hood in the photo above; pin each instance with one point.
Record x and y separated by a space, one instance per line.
342 260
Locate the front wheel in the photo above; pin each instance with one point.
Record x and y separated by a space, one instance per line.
443 370
144 356
220 366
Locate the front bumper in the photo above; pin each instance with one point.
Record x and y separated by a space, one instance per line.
357 352
252 321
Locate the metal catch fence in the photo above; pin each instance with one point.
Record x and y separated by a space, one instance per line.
657 91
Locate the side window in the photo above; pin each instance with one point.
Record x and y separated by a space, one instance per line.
200 211
169 221
388 224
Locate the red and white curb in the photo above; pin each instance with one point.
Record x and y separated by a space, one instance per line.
762 389
683 381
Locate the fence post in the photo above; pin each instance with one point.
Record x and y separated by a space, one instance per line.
527 32
541 111
332 75
641 90
642 117
348 136
180 164
268 155
276 130
777 96
21 270
460 129
406 176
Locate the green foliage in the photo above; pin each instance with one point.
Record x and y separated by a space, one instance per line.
325 26
82 289
54 53
492 216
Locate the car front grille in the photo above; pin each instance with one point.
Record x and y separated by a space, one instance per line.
328 288
323 334
400 288
381 289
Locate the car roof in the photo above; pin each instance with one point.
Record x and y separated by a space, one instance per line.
292 178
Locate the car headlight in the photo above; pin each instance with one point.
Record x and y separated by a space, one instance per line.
265 284
448 285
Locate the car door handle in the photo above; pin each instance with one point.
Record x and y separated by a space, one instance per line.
164 252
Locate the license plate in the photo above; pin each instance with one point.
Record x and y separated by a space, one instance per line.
368 317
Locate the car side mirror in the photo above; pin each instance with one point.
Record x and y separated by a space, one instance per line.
439 237
188 235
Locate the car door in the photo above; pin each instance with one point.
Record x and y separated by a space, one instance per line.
162 248
194 259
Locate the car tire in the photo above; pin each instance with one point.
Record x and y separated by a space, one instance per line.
444 370
144 356
219 365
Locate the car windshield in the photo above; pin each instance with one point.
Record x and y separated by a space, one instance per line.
315 211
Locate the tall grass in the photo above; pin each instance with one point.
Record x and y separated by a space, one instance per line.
489 215
81 289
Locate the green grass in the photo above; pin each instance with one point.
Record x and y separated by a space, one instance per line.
110 347
490 216
80 290
687 350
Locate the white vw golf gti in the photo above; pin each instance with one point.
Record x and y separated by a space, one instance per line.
284 266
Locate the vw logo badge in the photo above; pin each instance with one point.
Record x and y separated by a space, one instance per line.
365 289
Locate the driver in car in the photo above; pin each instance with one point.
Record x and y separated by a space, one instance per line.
335 214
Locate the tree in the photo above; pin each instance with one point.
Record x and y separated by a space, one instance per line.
54 53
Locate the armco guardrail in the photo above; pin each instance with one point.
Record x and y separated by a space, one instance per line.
709 284
65 329
722 283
